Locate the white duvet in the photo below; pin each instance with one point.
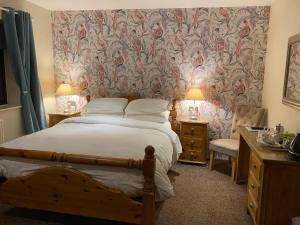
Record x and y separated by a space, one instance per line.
102 136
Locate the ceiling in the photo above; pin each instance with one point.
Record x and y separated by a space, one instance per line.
136 4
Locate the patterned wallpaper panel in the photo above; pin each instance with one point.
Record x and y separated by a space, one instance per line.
162 52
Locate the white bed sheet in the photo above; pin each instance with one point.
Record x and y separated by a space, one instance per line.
102 136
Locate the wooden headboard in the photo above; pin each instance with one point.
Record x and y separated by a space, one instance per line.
173 112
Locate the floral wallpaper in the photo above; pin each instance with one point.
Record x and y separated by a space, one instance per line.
293 82
162 52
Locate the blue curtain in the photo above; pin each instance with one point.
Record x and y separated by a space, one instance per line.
21 51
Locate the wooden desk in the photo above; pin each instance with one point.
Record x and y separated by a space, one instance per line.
273 181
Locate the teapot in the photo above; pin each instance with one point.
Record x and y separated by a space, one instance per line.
294 151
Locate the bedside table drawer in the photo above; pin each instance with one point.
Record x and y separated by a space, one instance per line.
192 155
253 187
252 207
193 138
255 166
56 119
192 130
192 143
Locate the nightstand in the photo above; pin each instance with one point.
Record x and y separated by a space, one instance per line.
193 137
55 118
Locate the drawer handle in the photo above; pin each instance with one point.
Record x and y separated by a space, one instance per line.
251 205
192 155
192 143
253 186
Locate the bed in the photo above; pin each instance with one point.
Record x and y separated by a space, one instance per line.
117 183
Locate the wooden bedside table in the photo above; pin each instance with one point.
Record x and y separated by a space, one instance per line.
193 137
55 118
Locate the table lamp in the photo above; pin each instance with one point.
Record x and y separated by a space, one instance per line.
194 94
66 90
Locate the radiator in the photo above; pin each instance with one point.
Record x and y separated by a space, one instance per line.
1 131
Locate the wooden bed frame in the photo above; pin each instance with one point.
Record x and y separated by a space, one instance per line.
64 190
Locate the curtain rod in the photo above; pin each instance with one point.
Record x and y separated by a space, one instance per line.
6 10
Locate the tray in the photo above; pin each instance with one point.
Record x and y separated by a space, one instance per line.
276 147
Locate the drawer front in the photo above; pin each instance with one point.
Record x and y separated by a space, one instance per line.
252 207
255 166
253 188
197 144
191 155
55 119
194 130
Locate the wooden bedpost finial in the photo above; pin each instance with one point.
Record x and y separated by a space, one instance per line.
148 214
173 115
149 150
88 98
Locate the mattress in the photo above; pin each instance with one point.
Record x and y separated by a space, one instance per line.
105 136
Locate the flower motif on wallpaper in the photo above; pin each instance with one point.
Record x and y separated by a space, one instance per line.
161 52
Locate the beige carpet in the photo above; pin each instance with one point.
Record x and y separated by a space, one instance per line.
202 198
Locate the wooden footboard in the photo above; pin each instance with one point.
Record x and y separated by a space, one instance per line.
64 190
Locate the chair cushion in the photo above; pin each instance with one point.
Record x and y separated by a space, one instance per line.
226 146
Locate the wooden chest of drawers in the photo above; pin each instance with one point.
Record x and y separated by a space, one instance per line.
254 185
193 137
273 182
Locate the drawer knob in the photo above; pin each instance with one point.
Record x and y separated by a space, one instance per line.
254 166
192 155
192 143
251 205
253 186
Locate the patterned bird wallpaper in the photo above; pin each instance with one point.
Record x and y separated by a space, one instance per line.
163 52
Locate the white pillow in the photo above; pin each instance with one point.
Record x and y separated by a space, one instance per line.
117 114
148 109
155 117
146 106
105 106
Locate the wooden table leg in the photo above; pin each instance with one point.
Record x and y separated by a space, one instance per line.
242 162
233 169
211 160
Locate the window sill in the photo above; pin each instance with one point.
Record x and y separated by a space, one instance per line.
9 107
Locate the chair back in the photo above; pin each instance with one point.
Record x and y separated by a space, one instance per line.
247 116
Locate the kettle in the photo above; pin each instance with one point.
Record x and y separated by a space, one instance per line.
294 151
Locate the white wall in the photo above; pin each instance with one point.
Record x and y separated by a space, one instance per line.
43 42
284 22
13 123
144 4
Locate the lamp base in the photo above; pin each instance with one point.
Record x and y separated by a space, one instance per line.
194 118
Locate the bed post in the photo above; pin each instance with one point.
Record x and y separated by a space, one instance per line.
88 98
173 114
148 213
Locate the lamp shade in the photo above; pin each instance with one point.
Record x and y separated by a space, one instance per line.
194 94
65 89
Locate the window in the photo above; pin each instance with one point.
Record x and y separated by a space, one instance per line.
3 97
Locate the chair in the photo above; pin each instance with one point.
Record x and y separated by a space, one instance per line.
244 116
